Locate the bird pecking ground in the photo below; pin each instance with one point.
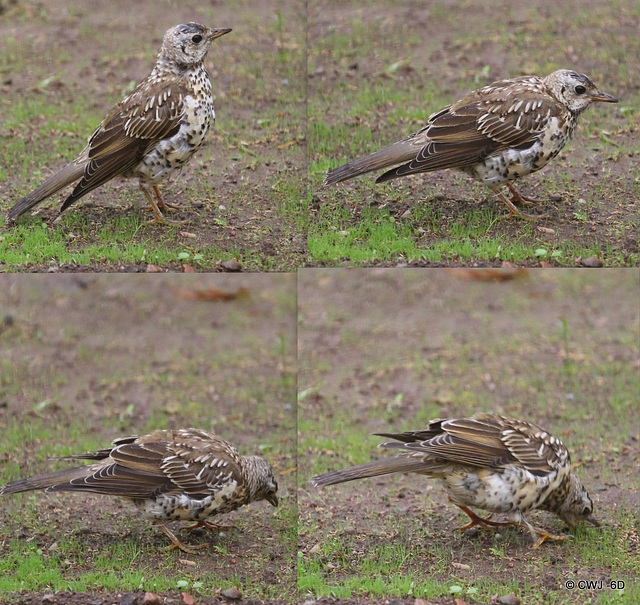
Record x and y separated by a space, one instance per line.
86 359
63 65
377 70
385 351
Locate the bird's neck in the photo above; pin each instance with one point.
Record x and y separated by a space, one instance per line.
166 66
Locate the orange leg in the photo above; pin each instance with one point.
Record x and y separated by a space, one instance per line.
175 543
158 217
482 521
521 199
162 204
543 536
513 210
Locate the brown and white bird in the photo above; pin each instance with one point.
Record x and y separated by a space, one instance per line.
490 462
183 474
152 132
495 134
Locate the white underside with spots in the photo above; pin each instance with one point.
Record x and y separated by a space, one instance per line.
186 508
509 164
496 492
171 154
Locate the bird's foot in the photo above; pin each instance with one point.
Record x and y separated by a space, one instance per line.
175 542
162 204
543 536
482 521
157 215
514 212
518 198
160 219
208 525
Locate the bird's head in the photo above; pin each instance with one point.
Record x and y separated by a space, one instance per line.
260 480
188 43
576 91
577 505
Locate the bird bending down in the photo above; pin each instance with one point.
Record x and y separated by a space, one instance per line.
184 474
490 462
495 134
149 134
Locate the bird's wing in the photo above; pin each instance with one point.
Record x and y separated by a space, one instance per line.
203 467
486 440
132 470
478 125
537 450
149 114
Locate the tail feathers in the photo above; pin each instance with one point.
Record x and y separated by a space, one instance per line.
398 153
54 481
386 466
70 173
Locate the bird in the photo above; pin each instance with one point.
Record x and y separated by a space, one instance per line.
181 474
151 133
490 462
495 134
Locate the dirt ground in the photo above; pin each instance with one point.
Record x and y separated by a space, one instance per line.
93 51
444 43
387 350
85 359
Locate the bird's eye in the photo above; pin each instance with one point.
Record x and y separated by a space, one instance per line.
580 90
196 39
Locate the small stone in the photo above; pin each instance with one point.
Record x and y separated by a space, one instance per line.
149 598
231 266
232 594
592 261
509 599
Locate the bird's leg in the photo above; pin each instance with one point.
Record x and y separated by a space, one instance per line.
207 525
482 521
158 218
513 211
540 536
175 543
162 204
521 199
544 536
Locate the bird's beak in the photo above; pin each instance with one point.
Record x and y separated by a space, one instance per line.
272 499
216 33
604 97
591 519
